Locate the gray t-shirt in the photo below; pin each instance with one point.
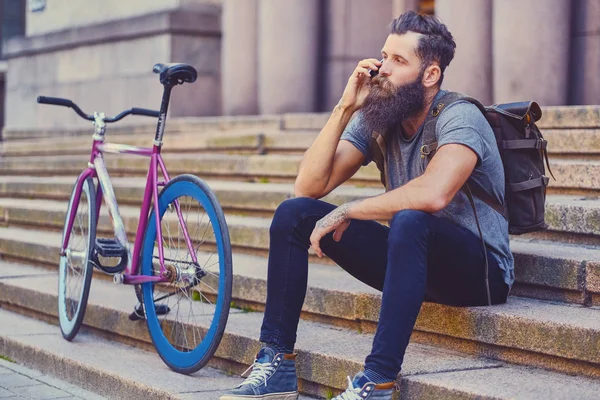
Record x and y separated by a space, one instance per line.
459 123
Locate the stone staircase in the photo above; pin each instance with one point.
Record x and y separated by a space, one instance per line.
544 343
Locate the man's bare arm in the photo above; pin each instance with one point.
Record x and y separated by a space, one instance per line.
431 192
317 164
447 172
328 162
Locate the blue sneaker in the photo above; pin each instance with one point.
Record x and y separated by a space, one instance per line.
273 377
360 388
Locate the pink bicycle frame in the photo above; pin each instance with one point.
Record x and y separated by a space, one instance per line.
97 169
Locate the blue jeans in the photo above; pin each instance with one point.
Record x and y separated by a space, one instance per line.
419 258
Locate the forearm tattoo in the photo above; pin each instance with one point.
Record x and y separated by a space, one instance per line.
337 216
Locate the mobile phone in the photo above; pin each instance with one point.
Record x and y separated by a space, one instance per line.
374 73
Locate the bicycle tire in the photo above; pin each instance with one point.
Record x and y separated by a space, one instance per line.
187 362
70 325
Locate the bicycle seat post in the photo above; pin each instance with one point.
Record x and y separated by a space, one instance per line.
164 106
170 76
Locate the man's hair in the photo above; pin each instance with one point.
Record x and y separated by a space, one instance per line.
436 43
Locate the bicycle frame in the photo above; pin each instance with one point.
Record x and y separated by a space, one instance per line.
97 170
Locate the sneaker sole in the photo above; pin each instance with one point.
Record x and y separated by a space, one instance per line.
272 396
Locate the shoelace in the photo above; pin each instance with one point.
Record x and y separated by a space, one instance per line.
351 393
260 372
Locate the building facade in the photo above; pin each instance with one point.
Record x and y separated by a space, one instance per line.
12 24
285 56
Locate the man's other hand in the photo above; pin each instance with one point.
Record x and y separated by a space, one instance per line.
337 221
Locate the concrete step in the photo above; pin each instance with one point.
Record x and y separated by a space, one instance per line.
241 167
110 369
325 354
545 270
134 126
227 142
566 214
569 117
567 142
558 117
242 198
561 142
559 336
572 175
575 175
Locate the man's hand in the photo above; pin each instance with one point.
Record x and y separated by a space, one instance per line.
358 87
336 220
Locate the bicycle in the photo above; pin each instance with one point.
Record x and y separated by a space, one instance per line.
186 345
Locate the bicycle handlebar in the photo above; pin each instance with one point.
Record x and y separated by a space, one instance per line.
56 101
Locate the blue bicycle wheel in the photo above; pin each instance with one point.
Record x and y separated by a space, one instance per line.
186 316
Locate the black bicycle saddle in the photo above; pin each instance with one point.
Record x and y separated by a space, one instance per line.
175 74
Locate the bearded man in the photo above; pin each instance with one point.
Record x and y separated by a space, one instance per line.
431 250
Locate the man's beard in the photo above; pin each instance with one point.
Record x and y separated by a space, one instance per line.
387 105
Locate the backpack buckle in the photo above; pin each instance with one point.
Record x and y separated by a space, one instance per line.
425 151
437 109
428 149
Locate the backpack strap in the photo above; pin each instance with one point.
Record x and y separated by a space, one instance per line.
430 144
378 153
428 149
467 190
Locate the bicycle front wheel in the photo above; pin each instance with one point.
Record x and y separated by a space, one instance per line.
186 316
75 269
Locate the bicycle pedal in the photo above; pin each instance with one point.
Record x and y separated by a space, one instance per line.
110 248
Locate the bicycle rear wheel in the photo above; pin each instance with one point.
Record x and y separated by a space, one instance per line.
198 294
75 269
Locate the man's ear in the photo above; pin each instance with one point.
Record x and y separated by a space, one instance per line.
432 75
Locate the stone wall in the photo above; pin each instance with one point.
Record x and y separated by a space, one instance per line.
280 56
66 14
108 67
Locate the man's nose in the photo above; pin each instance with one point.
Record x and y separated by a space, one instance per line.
384 70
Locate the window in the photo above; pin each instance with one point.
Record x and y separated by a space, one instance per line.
12 19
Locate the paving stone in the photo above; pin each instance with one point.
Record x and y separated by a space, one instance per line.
41 392
21 369
14 380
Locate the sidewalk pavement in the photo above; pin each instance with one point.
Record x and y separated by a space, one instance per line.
19 382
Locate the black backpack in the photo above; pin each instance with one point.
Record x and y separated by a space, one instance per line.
522 150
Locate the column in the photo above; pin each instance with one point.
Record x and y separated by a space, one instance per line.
470 23
239 88
585 55
400 6
531 50
353 32
288 45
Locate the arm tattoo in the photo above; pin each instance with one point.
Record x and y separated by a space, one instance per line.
338 107
337 216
